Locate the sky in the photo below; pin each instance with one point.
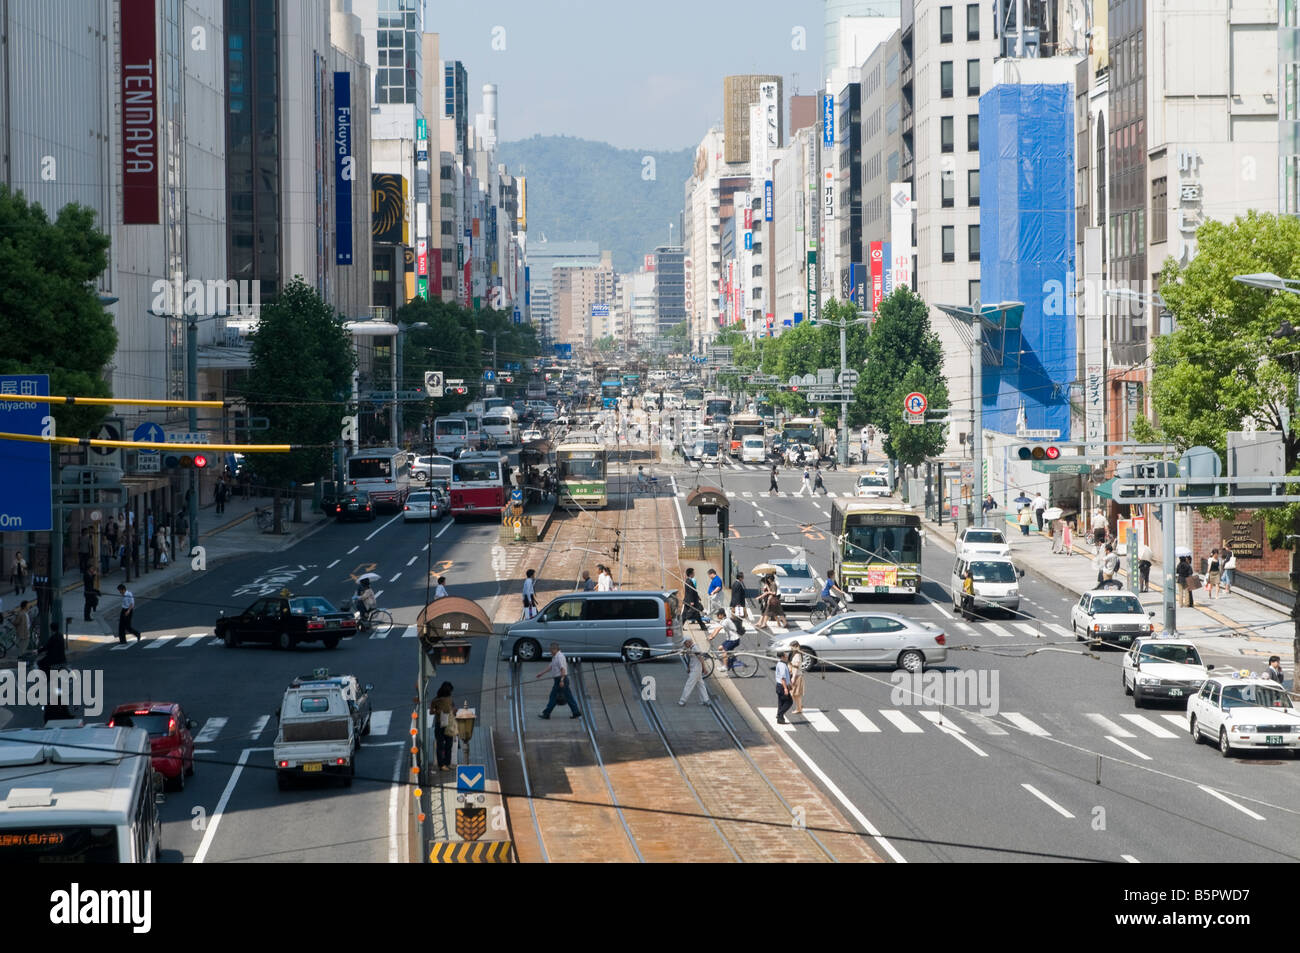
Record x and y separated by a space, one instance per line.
638 75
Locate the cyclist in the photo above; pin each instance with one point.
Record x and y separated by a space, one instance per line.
642 481
365 601
833 598
730 633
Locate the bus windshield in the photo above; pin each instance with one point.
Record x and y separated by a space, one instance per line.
892 544
450 427
716 406
366 468
797 434
740 431
469 471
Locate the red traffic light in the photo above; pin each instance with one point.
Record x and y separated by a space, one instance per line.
200 461
1053 452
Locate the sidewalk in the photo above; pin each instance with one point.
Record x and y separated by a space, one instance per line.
223 536
1237 624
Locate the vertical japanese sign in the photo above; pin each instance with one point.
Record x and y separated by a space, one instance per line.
344 168
139 113
1189 203
828 120
813 286
887 269
1094 382
877 274
900 218
435 270
25 505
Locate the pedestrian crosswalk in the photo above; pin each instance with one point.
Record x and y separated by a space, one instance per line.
964 721
218 728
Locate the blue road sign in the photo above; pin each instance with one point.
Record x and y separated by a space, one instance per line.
471 778
489 375
26 504
149 433
516 496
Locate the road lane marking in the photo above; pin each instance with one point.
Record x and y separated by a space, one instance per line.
948 728
310 581
158 641
211 728
747 495
774 536
1109 726
769 715
817 718
411 561
395 578
379 722
1029 629
193 639
1178 721
1048 801
858 720
901 721
984 724
217 812
384 527
443 530
353 550
1129 858
1149 726
1052 626
381 635
936 718
394 811
1024 724
259 726
332 565
767 524
803 624
998 631
409 633
1231 803
848 805
1131 750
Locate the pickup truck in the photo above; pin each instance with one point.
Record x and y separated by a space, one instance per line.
317 736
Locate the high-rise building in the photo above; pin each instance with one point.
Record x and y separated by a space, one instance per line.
738 94
670 287
882 146
845 44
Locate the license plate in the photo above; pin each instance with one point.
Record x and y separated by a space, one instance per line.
1175 693
1273 740
312 766
884 589
352 506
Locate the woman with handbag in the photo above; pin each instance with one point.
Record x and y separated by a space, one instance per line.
797 662
444 725
1185 576
1229 569
1212 573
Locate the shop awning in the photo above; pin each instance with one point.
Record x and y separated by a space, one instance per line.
1106 490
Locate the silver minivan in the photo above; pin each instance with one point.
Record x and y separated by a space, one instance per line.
631 625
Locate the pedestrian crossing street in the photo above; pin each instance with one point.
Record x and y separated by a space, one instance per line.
1164 726
263 728
1006 630
154 643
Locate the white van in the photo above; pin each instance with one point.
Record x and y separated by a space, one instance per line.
997 583
501 427
753 449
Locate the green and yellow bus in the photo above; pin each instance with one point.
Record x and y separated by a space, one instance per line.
582 461
876 548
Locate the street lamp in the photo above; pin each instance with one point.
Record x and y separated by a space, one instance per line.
864 317
494 346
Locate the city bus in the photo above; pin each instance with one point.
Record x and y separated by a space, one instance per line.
478 484
501 426
631 384
715 404
383 472
803 430
582 461
692 397
77 796
610 392
742 426
876 548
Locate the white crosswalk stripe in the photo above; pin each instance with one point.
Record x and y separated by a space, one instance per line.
259 726
1109 726
858 720
211 728
379 722
940 720
1059 630
803 624
997 630
1178 721
983 723
193 640
900 721
1024 724
747 495
158 641
409 633
1149 726
776 629
1029 628
817 718
965 628
769 715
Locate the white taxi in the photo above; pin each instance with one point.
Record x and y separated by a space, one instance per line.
982 541
1162 669
1243 713
872 485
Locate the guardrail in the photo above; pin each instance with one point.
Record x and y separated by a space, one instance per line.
1282 595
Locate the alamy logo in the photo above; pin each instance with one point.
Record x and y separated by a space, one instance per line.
102 907
968 688
23 686
210 297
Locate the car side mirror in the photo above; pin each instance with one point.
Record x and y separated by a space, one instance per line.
191 724
1208 667
369 688
1152 613
1021 572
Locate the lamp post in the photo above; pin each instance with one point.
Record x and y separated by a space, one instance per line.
864 317
1272 282
493 335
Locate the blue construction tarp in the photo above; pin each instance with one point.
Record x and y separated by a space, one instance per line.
1027 246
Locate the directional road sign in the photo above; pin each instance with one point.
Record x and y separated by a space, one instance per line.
149 433
471 778
489 374
433 383
848 379
915 403
516 495
25 504
111 429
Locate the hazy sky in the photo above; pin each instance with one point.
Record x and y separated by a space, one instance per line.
638 75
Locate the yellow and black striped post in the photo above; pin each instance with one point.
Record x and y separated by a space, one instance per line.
475 852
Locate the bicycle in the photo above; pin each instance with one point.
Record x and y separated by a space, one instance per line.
825 609
9 634
377 621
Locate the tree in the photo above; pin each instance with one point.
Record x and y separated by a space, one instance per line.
902 340
51 319
604 345
300 380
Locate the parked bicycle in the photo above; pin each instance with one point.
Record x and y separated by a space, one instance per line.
9 633
265 516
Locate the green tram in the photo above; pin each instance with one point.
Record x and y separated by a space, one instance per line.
582 460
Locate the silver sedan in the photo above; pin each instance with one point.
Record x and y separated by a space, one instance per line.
878 638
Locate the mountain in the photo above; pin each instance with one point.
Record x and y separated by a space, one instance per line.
584 190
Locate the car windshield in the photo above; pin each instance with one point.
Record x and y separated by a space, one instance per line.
422 498
710 447
984 536
1116 604
872 481
1181 654
793 573
993 572
1255 696
312 604
154 722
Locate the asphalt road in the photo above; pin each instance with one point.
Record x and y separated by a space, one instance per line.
231 809
1065 769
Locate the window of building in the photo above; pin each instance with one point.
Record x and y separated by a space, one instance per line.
972 292
945 24
1140 230
892 167
447 227
945 80
972 21
973 187
946 188
972 77
891 70
1159 210
973 133
973 242
945 134
948 238
891 118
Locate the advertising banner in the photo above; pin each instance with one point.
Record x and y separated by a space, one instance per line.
828 120
139 113
877 274
900 217
343 168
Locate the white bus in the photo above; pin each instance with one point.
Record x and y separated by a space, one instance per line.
77 795
383 472
501 426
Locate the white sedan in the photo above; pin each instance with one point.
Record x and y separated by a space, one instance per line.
872 485
870 637
1240 713
529 435
1163 668
982 541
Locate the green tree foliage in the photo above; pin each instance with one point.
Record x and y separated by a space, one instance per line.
1222 366
604 345
51 320
301 380
910 444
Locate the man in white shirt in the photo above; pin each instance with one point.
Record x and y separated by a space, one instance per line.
126 620
783 680
1040 506
530 594
694 672
441 591
604 581
559 672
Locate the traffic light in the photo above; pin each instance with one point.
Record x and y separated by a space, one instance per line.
1038 451
200 461
460 391
171 460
